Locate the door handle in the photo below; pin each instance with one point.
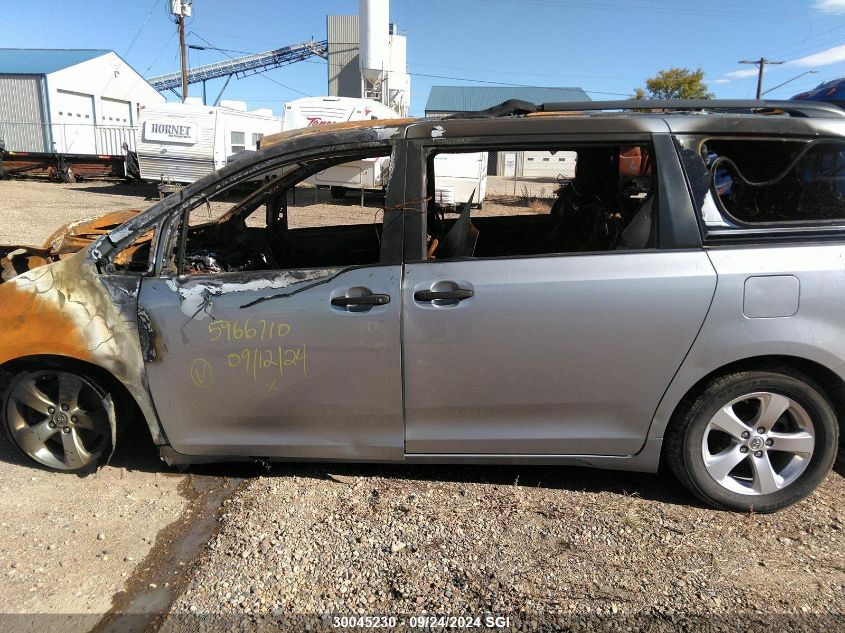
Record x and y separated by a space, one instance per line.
368 300
459 294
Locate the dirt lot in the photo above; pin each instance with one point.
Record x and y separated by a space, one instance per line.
548 547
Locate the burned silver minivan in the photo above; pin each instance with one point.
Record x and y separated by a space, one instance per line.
679 302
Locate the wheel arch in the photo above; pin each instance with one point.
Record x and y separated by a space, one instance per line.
832 383
125 401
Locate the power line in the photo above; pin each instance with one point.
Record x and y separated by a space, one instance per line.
260 74
807 39
143 24
502 83
605 6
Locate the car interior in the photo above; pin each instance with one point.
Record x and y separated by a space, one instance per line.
608 205
788 181
270 229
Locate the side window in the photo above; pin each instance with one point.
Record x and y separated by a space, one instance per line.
538 201
296 217
238 142
752 182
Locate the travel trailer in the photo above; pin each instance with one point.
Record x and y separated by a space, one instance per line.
458 175
369 174
182 142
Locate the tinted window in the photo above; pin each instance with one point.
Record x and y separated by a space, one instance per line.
754 182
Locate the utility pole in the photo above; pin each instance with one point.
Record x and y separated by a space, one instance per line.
184 58
761 65
182 9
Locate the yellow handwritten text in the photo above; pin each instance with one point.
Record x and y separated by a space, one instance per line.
256 361
261 330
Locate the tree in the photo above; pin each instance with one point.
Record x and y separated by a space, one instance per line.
675 83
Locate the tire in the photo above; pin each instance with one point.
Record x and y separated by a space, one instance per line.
68 175
774 468
56 418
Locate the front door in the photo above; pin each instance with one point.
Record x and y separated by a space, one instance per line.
264 364
300 359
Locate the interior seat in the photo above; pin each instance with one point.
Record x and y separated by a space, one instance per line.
639 232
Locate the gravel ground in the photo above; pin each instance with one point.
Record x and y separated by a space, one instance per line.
548 546
68 544
557 547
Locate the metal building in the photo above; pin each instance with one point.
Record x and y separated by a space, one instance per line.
69 101
344 65
445 100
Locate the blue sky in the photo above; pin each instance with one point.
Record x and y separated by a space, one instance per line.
607 47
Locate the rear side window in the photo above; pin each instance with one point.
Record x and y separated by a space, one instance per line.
513 201
747 182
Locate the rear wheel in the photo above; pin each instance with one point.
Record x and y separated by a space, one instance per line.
754 440
57 418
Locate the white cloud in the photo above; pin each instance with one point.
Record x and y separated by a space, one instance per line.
741 74
721 81
824 58
829 6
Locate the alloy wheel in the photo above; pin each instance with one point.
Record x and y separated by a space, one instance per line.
58 419
759 443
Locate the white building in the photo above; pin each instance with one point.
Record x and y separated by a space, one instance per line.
70 101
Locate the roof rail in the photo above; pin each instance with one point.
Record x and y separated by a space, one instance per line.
810 109
815 109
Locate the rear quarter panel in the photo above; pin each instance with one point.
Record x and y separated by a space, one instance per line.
816 331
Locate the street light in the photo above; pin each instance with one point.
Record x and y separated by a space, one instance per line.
808 72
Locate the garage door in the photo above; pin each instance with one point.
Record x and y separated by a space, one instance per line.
548 165
115 121
22 124
73 129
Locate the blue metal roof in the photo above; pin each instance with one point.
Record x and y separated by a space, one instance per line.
43 61
472 98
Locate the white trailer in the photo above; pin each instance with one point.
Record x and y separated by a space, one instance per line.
368 174
459 176
182 142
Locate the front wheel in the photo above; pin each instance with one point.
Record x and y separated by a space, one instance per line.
754 440
58 419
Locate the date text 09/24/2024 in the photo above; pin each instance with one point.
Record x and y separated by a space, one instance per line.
427 622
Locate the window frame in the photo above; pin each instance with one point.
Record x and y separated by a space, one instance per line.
172 228
667 233
233 145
